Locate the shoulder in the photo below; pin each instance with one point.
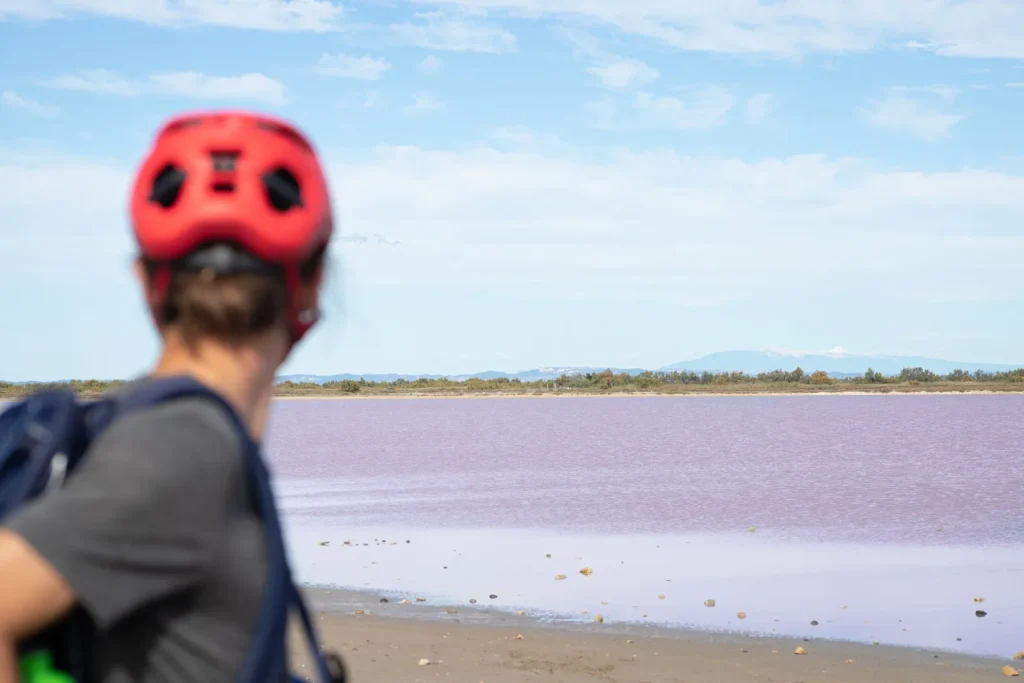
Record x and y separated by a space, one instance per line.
187 419
182 445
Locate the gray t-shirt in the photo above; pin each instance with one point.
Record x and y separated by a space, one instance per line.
155 534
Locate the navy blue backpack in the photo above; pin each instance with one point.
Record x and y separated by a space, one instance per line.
45 436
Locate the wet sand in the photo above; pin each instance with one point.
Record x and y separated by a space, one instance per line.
381 648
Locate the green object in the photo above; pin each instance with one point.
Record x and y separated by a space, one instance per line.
37 667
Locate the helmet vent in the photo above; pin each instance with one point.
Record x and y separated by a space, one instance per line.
282 189
167 186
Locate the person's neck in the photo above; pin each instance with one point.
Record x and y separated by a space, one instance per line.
243 375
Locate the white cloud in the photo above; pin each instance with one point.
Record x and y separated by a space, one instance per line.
625 73
634 226
13 100
99 81
1017 84
251 87
438 31
706 107
371 100
264 15
901 110
758 107
364 68
424 103
524 136
789 28
430 65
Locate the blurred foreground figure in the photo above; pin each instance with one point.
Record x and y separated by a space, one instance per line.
140 541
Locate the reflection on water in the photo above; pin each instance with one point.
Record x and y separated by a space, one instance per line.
902 509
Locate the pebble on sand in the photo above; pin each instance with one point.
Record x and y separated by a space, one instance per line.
383 600
800 651
980 613
325 542
814 623
741 615
519 637
586 571
850 661
661 597
520 612
598 619
560 577
406 602
421 599
1010 671
492 596
424 662
709 603
360 611
472 601
1019 656
979 600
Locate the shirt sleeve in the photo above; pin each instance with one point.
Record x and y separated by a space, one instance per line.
143 515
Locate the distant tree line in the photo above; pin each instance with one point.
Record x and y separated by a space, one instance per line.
608 382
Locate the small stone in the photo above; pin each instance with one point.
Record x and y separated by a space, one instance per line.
424 662
709 603
405 602
548 555
519 637
1019 656
360 611
1010 671
850 661
743 650
520 612
979 600
560 577
421 599
472 601
492 596
741 615
383 600
814 623
452 611
408 541
874 642
586 571
661 597
325 542
980 613
800 651
959 639
752 529
598 619
629 642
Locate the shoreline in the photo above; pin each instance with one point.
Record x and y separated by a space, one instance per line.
388 641
638 394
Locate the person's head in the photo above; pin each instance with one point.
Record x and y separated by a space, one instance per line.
232 217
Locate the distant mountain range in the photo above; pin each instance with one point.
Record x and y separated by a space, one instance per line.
750 362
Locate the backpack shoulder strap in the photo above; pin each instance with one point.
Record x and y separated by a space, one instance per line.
265 659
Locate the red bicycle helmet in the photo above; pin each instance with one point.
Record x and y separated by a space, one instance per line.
236 178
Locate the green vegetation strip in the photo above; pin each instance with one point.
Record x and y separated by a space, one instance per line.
601 383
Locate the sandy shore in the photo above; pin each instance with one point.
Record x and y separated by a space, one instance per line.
391 649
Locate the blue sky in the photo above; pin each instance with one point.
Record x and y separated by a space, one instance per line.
522 183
